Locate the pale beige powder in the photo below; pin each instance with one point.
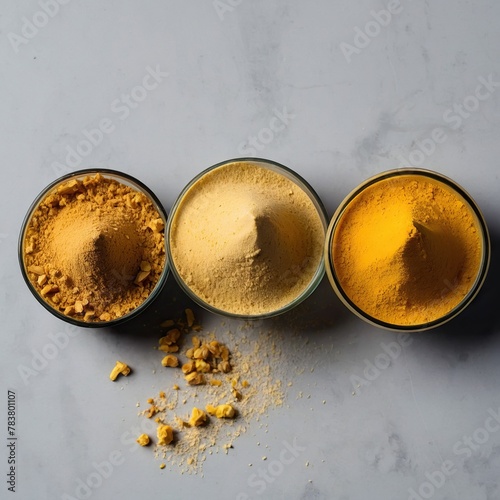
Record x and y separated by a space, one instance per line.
246 240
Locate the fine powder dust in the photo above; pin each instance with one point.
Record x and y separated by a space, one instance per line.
94 249
246 240
407 250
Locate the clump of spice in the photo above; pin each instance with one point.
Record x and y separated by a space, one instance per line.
120 368
143 440
407 250
94 248
246 239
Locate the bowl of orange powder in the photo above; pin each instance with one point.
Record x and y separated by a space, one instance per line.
92 247
408 249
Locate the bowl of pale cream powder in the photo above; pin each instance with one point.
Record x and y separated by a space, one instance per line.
245 238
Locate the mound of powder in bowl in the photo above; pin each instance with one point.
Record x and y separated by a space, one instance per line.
94 249
407 249
246 239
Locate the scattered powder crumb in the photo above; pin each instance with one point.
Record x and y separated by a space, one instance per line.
120 368
238 379
143 440
261 361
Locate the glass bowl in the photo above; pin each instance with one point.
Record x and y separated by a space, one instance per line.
462 196
124 179
300 183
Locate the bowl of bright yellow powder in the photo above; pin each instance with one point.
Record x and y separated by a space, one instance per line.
245 238
92 247
407 250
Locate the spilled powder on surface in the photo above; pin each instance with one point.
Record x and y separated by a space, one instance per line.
255 385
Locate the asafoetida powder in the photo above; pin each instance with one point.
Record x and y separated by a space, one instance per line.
246 239
94 248
407 250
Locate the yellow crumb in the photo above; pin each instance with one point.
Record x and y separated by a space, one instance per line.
151 411
198 417
165 434
221 411
195 378
170 360
119 369
143 440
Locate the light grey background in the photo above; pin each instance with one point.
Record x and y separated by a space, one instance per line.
354 105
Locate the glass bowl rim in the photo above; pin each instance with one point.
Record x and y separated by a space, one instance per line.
27 218
289 174
483 266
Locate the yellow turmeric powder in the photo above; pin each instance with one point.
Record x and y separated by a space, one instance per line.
407 250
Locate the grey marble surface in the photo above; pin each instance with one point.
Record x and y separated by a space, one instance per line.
336 90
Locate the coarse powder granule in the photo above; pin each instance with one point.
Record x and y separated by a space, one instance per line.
407 250
246 239
94 248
